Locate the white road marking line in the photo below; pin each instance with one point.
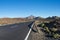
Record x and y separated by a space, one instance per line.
26 38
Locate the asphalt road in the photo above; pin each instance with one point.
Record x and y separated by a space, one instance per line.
15 31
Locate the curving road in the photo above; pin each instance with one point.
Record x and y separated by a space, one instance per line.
14 31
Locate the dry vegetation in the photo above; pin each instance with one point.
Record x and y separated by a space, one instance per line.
12 20
49 30
52 28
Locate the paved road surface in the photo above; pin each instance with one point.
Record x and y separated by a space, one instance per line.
15 31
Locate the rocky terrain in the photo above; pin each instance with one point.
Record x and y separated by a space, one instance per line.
46 30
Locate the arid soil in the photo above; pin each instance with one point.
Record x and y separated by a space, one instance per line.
12 20
36 36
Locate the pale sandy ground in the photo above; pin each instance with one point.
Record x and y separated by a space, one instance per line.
36 36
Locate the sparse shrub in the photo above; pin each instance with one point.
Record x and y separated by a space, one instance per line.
56 35
42 25
47 29
54 29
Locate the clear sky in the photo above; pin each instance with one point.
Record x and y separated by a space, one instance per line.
24 8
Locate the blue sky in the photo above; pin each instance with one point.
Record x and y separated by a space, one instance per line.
24 8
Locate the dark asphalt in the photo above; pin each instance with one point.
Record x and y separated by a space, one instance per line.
15 31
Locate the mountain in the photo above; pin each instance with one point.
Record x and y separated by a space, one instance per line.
53 17
30 17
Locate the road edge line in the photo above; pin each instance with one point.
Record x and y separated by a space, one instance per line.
29 32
